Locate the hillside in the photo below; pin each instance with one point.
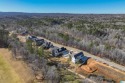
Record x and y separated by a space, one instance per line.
100 37
100 34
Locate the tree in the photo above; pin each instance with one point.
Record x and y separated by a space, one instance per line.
29 46
40 52
70 25
4 36
52 75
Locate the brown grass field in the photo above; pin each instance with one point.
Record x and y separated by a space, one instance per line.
7 74
13 71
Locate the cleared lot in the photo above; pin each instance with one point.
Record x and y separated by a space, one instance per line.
7 74
13 71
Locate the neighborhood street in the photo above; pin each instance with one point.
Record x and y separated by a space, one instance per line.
98 59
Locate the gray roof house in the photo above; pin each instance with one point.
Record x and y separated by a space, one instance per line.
59 51
32 38
39 42
47 45
24 33
79 57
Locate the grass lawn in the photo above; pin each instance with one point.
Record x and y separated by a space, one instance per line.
7 73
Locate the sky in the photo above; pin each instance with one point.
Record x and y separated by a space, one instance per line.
64 6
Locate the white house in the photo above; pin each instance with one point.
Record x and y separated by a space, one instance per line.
73 58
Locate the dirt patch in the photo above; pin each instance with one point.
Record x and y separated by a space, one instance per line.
24 72
110 72
101 69
22 38
90 66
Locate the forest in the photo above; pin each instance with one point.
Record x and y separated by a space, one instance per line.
100 35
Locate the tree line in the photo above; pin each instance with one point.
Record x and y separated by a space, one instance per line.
101 35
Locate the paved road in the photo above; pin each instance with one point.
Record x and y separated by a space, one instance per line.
112 64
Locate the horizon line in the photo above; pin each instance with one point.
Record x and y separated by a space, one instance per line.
54 12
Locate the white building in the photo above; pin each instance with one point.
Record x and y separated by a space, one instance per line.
73 58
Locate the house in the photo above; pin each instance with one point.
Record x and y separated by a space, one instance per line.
79 57
24 33
39 42
59 51
67 54
33 38
47 45
73 58
52 48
